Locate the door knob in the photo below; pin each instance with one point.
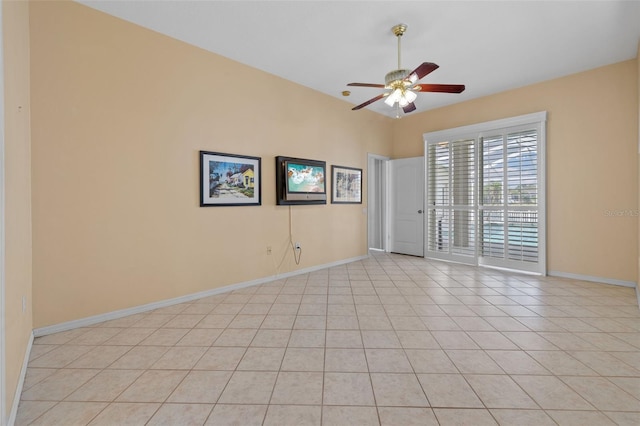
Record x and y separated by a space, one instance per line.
420 211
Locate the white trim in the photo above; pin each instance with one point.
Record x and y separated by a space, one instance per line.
600 280
495 268
453 260
95 319
372 180
511 270
508 265
474 129
23 374
542 196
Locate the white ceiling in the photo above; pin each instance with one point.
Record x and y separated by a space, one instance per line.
490 46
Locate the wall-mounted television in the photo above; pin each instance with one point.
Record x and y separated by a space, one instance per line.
300 181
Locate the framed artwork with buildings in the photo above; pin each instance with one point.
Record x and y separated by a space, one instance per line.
346 185
229 180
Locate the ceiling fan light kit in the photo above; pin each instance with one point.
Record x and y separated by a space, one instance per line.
401 83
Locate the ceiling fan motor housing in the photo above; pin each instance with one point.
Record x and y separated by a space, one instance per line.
396 79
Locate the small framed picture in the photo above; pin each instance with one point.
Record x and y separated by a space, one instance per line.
229 180
346 185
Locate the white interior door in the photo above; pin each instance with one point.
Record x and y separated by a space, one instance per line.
407 206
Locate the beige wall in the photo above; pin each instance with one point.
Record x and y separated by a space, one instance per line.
17 178
119 114
592 163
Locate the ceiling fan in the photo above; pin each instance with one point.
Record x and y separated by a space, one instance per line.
401 83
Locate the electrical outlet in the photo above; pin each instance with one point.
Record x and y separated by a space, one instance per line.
268 250
297 246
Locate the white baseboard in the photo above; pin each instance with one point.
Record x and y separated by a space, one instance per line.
599 280
23 374
592 279
84 322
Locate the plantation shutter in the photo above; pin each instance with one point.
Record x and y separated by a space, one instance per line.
509 200
485 193
451 214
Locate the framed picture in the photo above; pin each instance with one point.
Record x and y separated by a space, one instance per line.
346 185
229 180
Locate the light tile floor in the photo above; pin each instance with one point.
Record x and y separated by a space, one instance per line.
392 340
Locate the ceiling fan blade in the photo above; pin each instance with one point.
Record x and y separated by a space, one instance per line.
366 85
370 101
409 108
422 70
444 88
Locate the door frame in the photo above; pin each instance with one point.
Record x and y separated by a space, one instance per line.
378 184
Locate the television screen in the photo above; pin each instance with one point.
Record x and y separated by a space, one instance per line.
304 178
300 181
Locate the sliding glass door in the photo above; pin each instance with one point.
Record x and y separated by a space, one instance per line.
451 195
485 194
508 208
